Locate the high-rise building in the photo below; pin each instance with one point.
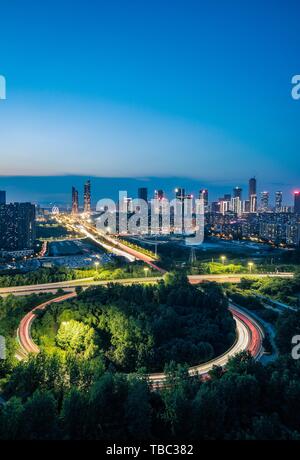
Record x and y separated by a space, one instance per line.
180 193
2 197
237 193
75 201
143 194
253 194
252 187
203 195
297 202
236 205
17 228
159 195
87 197
253 203
278 201
264 201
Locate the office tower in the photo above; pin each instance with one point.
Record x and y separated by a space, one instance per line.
87 197
252 187
246 206
237 193
180 193
159 195
2 197
236 205
224 206
215 207
264 201
253 203
297 202
253 195
75 201
179 211
17 227
278 201
203 195
143 194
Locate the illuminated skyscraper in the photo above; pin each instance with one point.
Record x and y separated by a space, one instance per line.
253 194
159 195
87 197
264 201
180 193
278 201
252 187
17 227
203 195
75 202
297 202
253 203
237 193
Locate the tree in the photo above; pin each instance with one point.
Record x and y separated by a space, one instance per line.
138 410
39 418
74 415
72 335
10 419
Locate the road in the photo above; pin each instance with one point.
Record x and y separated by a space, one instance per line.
249 337
71 285
23 333
114 245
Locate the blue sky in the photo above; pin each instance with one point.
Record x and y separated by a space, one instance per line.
151 88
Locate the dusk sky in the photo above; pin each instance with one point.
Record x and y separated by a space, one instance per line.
158 88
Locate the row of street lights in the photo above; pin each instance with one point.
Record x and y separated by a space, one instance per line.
146 269
250 264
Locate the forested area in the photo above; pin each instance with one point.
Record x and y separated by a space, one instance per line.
140 327
77 388
52 397
281 289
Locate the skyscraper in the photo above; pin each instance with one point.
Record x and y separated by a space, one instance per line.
143 194
297 202
75 201
180 193
237 193
252 187
159 194
17 227
264 201
278 201
203 195
87 197
253 203
2 197
253 194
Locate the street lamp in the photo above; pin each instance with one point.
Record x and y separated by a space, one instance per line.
97 265
146 270
250 265
223 258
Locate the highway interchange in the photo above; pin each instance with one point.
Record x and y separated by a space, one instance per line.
249 334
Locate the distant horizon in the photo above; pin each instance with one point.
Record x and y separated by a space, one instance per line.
56 190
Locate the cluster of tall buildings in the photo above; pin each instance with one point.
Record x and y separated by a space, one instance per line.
253 203
233 217
86 199
17 228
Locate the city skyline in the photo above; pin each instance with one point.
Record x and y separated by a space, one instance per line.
55 190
